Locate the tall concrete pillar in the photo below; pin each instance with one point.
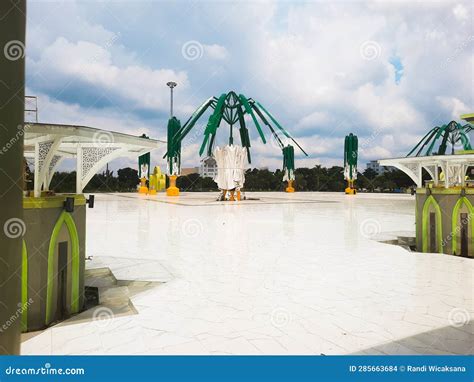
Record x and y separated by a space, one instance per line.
12 226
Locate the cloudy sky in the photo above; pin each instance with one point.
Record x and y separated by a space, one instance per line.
385 70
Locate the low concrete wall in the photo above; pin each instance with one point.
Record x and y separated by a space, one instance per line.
52 232
445 221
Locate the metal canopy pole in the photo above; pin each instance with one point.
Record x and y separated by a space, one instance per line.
171 85
12 226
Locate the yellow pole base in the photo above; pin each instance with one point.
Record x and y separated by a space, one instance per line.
152 192
143 188
290 187
172 190
350 189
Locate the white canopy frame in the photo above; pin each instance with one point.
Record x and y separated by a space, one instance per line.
93 148
454 168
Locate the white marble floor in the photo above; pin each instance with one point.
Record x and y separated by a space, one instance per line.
286 274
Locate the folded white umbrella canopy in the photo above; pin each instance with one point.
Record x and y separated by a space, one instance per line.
230 167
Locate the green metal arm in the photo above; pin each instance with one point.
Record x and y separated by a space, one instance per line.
244 133
214 122
232 108
187 127
262 117
249 111
450 133
194 118
430 133
438 134
280 127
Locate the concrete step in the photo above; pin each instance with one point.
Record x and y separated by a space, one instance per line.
99 277
114 296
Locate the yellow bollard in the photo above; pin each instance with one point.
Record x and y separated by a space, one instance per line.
172 190
152 188
143 188
350 189
290 187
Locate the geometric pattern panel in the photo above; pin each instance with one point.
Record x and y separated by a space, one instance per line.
54 162
43 148
431 170
454 175
413 167
92 155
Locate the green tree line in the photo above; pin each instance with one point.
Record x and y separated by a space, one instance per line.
317 178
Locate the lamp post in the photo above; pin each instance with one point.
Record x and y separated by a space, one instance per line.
171 85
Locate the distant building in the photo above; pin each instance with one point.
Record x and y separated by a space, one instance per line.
208 167
189 170
374 165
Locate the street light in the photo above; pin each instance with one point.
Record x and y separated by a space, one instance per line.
171 85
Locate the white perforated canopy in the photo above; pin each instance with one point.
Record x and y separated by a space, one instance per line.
93 148
455 166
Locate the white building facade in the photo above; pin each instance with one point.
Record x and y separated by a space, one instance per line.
374 165
208 168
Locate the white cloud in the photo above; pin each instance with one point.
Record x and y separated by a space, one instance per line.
216 52
383 108
317 71
375 152
454 106
461 12
301 60
65 62
54 111
316 118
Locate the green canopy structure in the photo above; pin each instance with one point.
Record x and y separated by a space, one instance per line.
452 133
232 109
144 165
351 145
289 162
350 156
174 147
